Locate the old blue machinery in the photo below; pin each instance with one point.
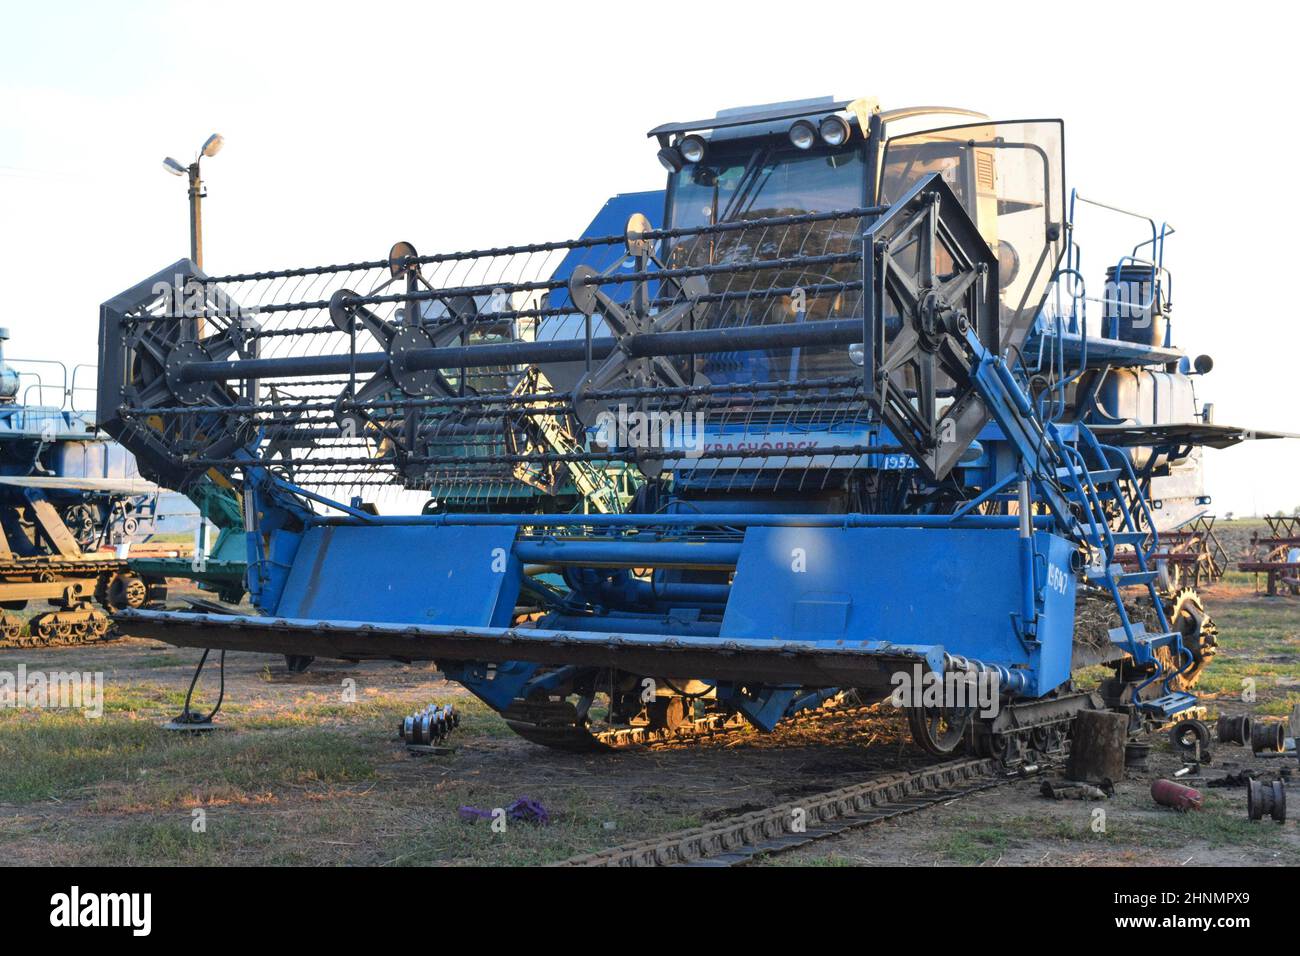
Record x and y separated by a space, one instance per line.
810 423
68 497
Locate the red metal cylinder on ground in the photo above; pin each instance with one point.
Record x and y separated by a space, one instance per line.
1170 794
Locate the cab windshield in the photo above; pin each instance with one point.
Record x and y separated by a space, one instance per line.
749 181
763 179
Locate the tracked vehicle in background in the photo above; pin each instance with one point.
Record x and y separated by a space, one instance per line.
69 500
829 410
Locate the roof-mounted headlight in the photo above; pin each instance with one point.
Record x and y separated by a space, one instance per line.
671 159
835 130
803 135
692 148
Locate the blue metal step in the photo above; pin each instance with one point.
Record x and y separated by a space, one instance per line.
1169 704
1102 476
1136 577
1140 634
1104 493
1119 537
1106 573
1101 576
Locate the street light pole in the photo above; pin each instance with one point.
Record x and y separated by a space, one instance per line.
196 215
211 146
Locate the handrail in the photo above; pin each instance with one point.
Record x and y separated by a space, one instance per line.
67 387
1162 279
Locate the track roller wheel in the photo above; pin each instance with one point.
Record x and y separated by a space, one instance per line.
668 713
297 663
1040 738
126 590
996 746
554 724
939 731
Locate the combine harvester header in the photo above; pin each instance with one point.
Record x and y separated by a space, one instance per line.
825 410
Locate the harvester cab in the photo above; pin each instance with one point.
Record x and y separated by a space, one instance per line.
802 431
781 182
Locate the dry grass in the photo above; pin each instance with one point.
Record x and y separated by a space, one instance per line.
304 776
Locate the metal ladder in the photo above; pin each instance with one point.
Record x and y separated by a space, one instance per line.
1091 489
1077 494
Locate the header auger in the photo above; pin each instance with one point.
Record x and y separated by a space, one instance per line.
803 425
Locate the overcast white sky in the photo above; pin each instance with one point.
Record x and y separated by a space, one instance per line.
349 126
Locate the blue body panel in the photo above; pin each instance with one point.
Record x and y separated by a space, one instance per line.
862 584
838 587
404 575
96 459
610 221
45 442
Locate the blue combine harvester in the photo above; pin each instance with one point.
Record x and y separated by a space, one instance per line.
829 410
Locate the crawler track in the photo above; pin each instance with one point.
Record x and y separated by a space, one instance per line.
72 587
555 724
57 629
739 840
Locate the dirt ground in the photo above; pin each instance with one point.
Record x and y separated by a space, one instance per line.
1015 825
301 776
307 769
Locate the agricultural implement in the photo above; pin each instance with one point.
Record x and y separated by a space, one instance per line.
1190 554
824 414
1277 555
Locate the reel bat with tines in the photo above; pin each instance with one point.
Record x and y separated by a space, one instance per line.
624 368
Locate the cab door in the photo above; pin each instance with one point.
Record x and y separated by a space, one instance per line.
1010 177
